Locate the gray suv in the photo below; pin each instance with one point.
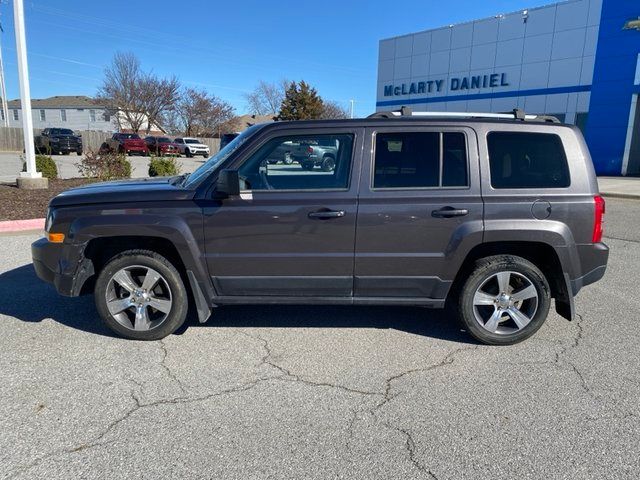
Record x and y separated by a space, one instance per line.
491 215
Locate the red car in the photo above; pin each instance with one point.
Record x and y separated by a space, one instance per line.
161 146
127 143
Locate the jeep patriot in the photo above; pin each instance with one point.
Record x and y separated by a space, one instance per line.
491 215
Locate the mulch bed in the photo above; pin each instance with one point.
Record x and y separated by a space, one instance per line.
17 204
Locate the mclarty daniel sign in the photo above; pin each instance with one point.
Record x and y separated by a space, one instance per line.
474 82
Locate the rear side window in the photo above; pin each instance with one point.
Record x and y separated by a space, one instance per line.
420 160
527 160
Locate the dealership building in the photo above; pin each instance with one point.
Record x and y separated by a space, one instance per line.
578 60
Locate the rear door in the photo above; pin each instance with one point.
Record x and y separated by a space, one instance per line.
420 210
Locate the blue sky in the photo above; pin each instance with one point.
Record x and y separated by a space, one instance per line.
225 47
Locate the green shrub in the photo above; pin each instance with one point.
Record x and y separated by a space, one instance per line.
44 164
104 166
163 167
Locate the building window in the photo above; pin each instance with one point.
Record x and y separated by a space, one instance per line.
581 121
43 116
92 115
2 114
15 114
106 116
63 115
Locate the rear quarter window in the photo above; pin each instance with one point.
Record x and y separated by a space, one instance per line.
527 160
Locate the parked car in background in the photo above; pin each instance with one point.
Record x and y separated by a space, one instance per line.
58 141
190 146
492 215
127 143
161 146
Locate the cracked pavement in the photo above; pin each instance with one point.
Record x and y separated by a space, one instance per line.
321 392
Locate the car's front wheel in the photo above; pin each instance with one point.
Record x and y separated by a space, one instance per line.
504 301
140 295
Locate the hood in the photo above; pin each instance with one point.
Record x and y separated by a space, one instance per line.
123 191
199 145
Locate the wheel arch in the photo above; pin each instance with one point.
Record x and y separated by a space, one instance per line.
541 254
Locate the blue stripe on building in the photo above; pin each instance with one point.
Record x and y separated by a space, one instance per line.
481 96
613 86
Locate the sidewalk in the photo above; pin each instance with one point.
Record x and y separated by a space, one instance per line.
620 187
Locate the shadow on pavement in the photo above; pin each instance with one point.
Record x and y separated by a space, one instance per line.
25 297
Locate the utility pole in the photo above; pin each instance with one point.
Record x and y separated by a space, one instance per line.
31 179
352 108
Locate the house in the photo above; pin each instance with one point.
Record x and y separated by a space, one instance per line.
77 112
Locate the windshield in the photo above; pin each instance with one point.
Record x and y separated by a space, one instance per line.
164 140
210 165
191 140
61 131
129 136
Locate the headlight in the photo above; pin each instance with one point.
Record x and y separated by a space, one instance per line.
55 140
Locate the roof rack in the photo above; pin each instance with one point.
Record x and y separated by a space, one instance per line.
515 114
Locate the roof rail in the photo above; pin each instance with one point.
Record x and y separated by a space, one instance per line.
515 114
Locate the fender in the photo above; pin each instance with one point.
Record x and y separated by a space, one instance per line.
183 231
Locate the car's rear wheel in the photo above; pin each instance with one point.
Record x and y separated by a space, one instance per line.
307 165
504 301
187 153
140 295
328 164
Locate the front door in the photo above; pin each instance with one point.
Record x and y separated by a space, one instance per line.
291 232
420 210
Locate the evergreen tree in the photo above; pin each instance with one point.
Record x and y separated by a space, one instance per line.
301 102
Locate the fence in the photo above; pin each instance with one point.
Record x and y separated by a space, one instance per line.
11 139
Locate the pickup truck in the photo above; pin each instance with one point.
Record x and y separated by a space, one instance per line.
127 143
308 153
58 141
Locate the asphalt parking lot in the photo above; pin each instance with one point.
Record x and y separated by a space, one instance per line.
321 392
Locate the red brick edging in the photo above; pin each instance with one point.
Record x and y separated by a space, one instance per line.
21 225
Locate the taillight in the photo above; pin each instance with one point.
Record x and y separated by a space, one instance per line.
598 224
309 150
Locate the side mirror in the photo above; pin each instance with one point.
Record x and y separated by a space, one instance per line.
228 184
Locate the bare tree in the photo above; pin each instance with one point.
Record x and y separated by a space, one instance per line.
159 97
119 92
133 97
333 110
203 114
266 98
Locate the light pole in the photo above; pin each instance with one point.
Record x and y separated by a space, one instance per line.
352 108
31 179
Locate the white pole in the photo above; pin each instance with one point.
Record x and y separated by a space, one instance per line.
3 91
25 94
352 102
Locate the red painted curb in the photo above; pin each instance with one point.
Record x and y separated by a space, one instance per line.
21 225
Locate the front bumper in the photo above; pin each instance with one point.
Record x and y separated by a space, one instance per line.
52 266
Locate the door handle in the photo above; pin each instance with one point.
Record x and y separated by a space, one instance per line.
449 212
326 214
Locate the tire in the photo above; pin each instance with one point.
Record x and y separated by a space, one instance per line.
78 152
168 292
328 164
496 319
66 153
187 153
307 165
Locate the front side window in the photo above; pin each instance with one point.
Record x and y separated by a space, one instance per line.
527 160
420 160
300 162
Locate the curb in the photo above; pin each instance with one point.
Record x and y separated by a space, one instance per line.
12 226
628 196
